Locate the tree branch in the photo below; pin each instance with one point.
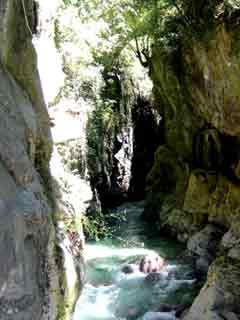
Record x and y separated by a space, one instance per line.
139 54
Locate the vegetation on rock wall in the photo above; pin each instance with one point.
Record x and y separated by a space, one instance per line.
191 131
194 180
19 57
190 50
25 150
168 48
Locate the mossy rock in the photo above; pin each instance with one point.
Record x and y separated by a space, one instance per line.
166 184
220 294
179 122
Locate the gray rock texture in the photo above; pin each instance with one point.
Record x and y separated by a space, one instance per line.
31 269
204 246
219 298
24 209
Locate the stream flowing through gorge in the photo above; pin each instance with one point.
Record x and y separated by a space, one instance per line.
112 294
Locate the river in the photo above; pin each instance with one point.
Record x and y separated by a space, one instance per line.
110 294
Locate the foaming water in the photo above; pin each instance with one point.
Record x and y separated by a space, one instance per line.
110 294
101 251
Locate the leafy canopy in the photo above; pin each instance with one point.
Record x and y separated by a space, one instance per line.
133 24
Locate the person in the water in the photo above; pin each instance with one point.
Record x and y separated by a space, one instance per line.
148 264
151 263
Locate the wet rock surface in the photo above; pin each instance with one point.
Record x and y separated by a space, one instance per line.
218 299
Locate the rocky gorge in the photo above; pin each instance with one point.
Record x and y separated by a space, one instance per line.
83 131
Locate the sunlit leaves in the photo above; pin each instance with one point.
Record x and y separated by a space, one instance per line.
127 21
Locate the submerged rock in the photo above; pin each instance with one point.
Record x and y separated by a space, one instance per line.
127 269
177 309
159 316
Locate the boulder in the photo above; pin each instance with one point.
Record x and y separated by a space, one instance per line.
127 269
220 294
231 244
159 316
204 245
178 309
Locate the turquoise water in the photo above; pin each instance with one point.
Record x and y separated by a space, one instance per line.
109 294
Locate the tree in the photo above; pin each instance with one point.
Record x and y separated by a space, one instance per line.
132 24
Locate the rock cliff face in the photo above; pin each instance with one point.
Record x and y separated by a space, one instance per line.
122 136
30 271
193 187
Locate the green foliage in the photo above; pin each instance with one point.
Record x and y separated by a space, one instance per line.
100 130
101 225
95 226
137 25
128 21
70 2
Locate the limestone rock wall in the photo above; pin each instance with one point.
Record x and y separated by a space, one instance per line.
25 149
196 90
71 193
193 187
31 269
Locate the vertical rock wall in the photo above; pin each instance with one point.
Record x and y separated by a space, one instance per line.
31 271
25 148
122 135
71 192
193 187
